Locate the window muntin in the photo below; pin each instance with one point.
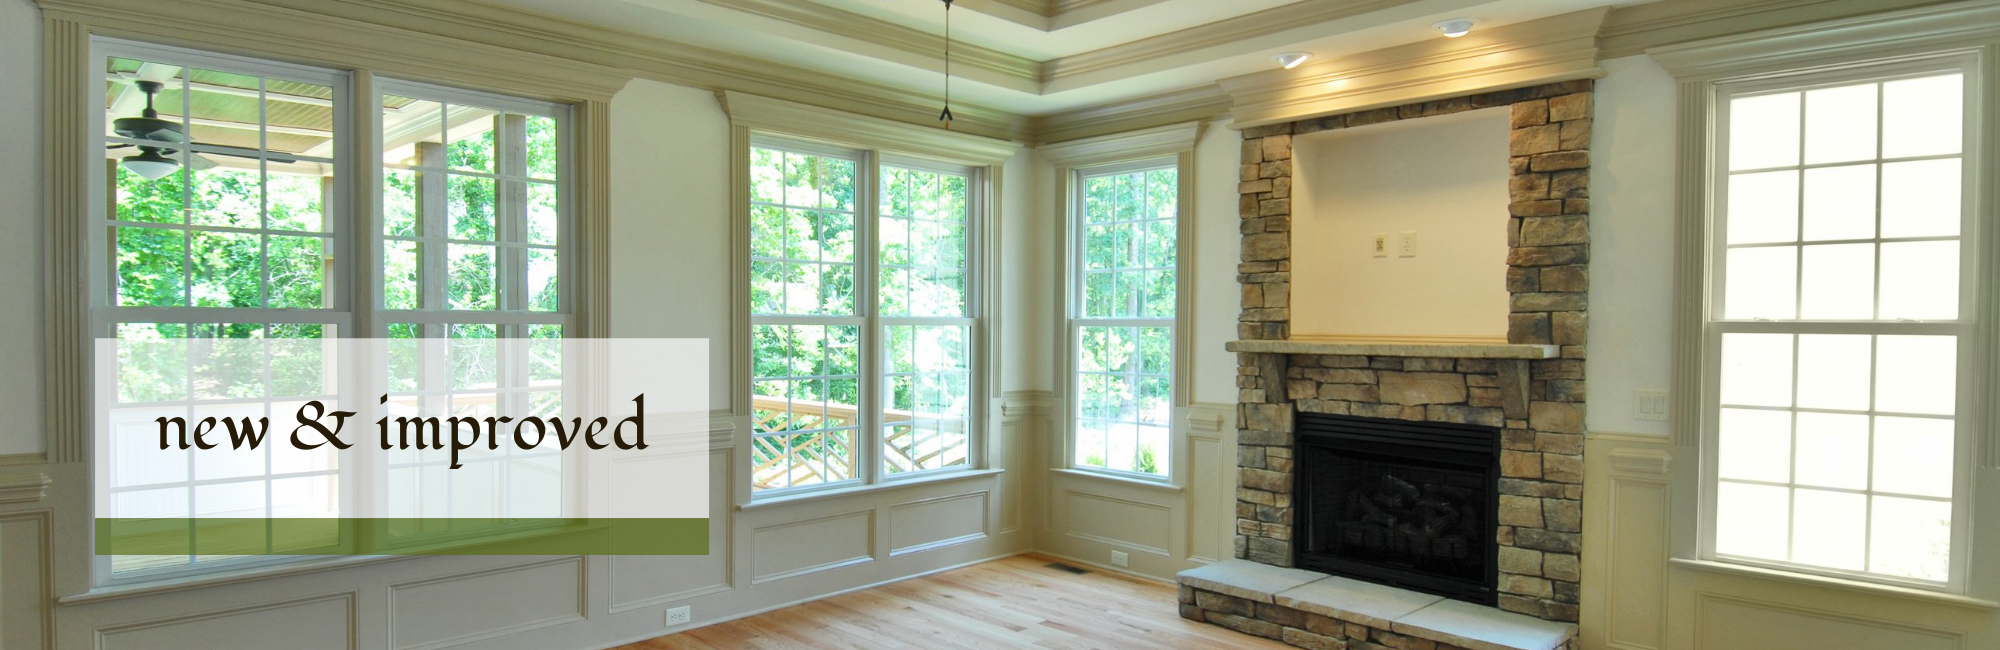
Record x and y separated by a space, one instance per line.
1840 327
851 254
1123 323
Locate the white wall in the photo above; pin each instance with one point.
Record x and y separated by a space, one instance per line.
1443 178
1217 248
21 219
1631 242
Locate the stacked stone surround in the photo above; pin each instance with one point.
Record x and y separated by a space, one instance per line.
1538 404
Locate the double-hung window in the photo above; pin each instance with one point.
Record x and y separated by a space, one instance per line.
862 315
226 213
1123 305
1841 330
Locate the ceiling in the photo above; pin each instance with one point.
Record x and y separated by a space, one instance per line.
1042 57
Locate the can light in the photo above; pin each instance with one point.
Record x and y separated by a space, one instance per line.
1292 59
1456 27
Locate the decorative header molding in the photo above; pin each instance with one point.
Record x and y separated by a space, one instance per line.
807 121
1929 29
1559 48
1132 145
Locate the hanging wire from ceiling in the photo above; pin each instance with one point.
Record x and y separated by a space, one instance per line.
946 115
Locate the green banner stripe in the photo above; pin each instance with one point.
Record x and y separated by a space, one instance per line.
222 536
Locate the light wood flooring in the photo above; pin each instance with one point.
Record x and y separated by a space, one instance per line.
1014 602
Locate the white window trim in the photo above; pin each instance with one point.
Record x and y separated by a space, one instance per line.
756 119
1171 145
1704 70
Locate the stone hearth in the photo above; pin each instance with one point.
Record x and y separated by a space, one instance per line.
1532 388
1314 610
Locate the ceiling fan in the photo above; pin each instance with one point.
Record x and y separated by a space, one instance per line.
156 161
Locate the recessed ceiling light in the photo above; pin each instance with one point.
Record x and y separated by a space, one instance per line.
1456 27
1292 59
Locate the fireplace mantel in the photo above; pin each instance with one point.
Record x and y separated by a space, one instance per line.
1390 349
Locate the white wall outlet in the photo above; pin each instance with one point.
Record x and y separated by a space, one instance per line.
1408 244
1381 244
1119 558
679 616
1649 404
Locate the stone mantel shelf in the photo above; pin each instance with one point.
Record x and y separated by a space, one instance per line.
1384 349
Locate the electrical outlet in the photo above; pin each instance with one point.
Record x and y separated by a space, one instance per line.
1649 404
1408 243
1119 558
1381 244
679 616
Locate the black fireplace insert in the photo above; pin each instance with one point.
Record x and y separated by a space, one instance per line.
1400 503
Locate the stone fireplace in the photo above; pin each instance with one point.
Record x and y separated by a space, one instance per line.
1528 393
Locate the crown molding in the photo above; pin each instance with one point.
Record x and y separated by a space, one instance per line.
1194 104
1876 35
1634 29
792 118
919 48
1102 65
1132 145
1558 48
632 54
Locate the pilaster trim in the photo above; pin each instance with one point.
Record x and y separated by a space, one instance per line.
66 293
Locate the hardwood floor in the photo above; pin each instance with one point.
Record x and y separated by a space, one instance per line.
1014 602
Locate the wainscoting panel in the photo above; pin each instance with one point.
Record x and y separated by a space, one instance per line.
1731 623
793 549
937 522
645 580
322 623
1628 511
1139 525
461 609
1211 455
25 583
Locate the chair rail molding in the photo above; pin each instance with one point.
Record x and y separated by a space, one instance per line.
1558 48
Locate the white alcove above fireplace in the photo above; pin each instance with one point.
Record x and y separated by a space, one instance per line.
1439 182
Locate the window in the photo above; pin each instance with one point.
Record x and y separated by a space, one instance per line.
1123 306
227 215
223 220
474 232
1841 327
860 267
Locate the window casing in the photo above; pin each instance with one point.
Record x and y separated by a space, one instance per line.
252 235
1123 316
864 313
1842 330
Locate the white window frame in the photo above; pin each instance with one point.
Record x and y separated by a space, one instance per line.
1073 320
873 389
1970 416
352 260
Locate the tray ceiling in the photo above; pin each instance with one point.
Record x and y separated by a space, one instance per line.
1039 57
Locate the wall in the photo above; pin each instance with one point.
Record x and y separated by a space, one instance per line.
1632 221
1440 177
20 252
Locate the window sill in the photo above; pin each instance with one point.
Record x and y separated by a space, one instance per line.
1838 583
803 497
222 577
1114 478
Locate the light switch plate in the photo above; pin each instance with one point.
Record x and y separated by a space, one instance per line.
1649 404
1381 244
1407 244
